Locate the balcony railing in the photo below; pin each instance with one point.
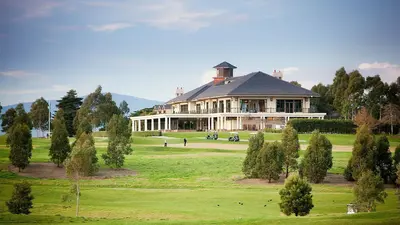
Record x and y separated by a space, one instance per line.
237 110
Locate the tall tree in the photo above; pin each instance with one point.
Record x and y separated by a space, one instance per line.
354 94
22 116
106 109
119 141
295 83
325 102
364 118
363 155
338 89
20 141
291 147
40 114
270 161
21 200
376 95
368 191
317 158
383 159
393 95
249 164
1 108
70 103
8 119
124 108
60 147
391 115
296 197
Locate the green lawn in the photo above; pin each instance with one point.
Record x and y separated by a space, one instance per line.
180 186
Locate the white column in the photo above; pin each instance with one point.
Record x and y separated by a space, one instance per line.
240 123
217 123
152 124
224 106
237 123
140 125
145 125
159 123
209 123
169 123
212 123
217 109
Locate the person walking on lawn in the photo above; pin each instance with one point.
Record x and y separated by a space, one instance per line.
184 142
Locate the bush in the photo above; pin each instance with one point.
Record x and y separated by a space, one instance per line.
147 133
296 197
272 130
348 172
369 191
324 126
317 158
270 161
249 163
21 200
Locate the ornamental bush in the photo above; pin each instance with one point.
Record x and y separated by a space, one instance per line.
337 126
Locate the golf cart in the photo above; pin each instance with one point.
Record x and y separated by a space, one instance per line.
212 137
234 136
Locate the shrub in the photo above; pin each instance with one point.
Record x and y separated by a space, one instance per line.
147 133
249 163
21 200
291 147
270 161
272 130
296 197
325 126
317 158
368 191
383 159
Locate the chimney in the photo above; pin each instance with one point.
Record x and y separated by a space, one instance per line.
182 91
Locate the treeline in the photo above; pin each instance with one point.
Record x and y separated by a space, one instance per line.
73 118
349 92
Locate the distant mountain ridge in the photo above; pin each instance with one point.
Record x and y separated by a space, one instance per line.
134 103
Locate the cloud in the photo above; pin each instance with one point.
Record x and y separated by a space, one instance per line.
35 9
110 27
16 74
53 88
289 70
208 76
376 65
388 72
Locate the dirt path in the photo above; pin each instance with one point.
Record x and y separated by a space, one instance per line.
51 171
240 147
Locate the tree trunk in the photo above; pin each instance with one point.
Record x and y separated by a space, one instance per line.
77 198
287 171
269 180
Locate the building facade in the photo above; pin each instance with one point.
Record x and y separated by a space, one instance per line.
250 102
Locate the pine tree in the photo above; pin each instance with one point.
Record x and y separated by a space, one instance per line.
21 200
70 103
296 197
369 191
270 161
119 141
383 159
291 146
20 141
317 158
60 147
249 163
363 155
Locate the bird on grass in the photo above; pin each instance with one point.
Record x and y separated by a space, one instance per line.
265 205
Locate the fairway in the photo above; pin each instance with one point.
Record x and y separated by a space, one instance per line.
185 186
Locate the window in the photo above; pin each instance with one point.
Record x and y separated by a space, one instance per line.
198 108
289 106
184 108
228 105
221 106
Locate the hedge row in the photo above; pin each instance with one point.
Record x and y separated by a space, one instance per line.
147 133
325 126
272 130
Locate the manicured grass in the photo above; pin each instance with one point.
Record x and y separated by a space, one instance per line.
180 186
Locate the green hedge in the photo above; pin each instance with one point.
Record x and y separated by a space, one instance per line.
147 133
325 126
272 130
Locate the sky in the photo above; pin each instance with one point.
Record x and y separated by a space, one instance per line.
148 48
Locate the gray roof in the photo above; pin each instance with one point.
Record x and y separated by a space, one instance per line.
253 84
225 65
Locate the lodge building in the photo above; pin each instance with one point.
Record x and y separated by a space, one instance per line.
250 102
